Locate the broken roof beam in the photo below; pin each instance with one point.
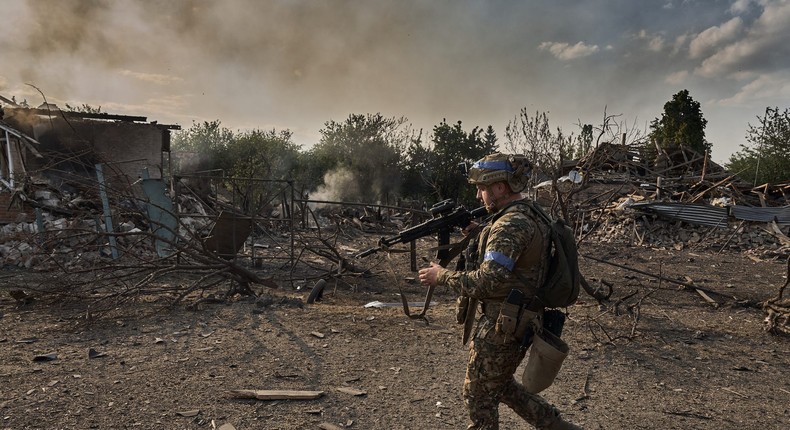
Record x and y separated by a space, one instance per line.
87 115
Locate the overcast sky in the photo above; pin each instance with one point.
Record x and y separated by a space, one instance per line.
296 64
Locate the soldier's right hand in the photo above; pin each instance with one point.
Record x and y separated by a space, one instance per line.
468 229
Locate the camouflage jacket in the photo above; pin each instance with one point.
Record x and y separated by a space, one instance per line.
513 254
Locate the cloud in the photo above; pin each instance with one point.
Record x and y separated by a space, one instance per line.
153 78
680 43
740 6
764 90
764 47
710 39
677 78
565 51
655 42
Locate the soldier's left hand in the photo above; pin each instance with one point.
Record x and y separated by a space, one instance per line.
428 275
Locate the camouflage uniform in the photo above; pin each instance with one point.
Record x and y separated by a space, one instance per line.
513 254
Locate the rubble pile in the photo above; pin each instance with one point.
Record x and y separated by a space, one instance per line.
623 225
681 200
68 243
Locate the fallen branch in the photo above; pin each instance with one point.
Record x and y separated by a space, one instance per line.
662 278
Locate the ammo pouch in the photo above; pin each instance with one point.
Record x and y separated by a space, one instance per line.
515 321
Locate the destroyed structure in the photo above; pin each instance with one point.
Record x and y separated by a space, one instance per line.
80 192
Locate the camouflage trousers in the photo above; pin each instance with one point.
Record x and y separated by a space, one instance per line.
489 381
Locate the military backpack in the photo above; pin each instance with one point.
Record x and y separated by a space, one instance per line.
561 287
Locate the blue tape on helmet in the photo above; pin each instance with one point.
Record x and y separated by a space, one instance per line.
493 165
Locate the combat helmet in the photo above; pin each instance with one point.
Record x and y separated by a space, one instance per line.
496 167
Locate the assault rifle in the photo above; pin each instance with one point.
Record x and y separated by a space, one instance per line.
446 215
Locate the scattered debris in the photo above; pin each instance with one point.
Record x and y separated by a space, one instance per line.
276 394
378 304
92 353
352 391
45 357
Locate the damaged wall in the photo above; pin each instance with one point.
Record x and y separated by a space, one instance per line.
65 148
120 141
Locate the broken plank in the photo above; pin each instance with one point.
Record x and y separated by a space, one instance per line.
277 394
352 391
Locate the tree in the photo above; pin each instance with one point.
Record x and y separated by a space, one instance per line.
490 138
241 159
452 147
256 155
681 123
415 168
259 154
766 157
362 157
584 141
200 146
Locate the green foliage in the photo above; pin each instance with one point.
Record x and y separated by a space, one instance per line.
358 159
201 146
452 146
766 157
584 141
415 165
681 123
259 154
245 161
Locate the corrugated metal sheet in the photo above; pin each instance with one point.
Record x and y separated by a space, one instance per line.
692 213
747 213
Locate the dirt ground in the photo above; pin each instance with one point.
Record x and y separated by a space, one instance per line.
654 356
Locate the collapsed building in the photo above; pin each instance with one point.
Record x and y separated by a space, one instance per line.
680 198
50 154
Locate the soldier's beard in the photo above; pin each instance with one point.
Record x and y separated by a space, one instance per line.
494 205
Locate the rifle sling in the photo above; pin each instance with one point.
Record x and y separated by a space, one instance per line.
469 321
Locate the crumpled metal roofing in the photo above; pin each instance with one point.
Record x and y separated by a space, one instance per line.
715 216
780 215
692 213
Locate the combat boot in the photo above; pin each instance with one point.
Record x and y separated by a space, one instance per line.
560 424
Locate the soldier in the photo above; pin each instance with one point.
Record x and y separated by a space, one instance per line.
512 254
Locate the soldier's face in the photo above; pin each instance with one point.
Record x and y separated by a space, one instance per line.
491 194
